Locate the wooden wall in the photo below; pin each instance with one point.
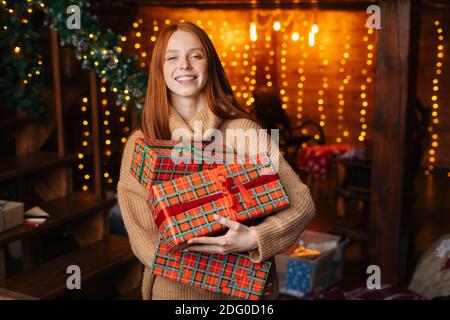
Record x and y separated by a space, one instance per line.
332 81
427 73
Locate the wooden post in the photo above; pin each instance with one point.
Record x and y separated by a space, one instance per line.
95 135
94 226
57 92
394 107
134 117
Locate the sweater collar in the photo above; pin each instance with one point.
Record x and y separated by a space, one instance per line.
204 120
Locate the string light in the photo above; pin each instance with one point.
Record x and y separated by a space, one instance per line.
312 35
321 93
341 95
276 26
432 151
267 67
283 67
250 100
84 142
253 35
106 122
363 88
311 39
301 82
137 35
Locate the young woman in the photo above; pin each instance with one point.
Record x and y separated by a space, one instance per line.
187 86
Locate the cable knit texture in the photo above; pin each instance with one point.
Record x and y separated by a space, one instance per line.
275 234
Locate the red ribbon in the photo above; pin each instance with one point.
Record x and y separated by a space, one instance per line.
227 191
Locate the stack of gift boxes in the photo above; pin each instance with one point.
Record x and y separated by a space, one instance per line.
188 184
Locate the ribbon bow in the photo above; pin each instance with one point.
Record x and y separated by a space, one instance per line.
231 201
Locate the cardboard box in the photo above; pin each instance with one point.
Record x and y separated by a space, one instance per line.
299 275
11 215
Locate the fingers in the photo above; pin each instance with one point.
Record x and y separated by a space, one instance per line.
207 248
219 241
232 225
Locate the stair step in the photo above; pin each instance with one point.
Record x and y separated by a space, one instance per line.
16 166
48 280
14 122
11 295
61 210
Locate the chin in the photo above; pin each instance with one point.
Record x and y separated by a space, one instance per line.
187 93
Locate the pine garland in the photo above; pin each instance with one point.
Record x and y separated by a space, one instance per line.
100 52
21 66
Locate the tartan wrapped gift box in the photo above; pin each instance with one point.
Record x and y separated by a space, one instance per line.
156 160
232 274
184 208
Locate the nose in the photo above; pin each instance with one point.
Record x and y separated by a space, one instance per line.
184 64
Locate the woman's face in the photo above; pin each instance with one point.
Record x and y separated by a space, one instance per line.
185 65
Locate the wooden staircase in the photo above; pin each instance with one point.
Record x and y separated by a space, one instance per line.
109 270
48 280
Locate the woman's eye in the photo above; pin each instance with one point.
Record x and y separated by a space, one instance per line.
196 56
171 58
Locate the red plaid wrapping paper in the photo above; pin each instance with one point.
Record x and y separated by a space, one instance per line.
232 274
184 208
153 163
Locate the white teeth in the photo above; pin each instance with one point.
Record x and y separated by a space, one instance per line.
185 78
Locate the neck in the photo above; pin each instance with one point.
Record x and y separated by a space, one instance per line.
187 107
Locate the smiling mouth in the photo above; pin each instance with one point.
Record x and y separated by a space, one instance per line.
185 79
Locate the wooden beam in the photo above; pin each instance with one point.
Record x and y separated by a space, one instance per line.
263 4
392 183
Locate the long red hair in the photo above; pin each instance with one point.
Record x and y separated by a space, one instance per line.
218 94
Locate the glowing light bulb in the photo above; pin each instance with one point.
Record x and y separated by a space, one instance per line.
311 39
253 35
276 26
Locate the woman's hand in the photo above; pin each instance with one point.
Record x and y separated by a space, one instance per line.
238 238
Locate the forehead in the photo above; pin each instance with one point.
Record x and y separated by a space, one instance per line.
183 40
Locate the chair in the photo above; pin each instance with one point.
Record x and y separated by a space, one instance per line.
269 110
354 177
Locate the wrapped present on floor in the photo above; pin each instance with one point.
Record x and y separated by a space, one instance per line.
155 161
315 262
184 208
11 214
231 274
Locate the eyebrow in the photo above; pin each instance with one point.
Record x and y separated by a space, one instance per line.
192 49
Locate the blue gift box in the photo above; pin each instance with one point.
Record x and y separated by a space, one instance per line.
298 276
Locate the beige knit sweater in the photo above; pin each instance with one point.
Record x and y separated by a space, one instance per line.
275 234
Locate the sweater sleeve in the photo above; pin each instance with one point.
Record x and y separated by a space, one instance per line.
279 231
136 214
